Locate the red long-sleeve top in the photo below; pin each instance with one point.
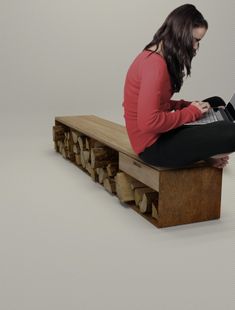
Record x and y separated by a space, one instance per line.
148 109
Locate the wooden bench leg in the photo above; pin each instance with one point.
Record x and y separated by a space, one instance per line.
189 195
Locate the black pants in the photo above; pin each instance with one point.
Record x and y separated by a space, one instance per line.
188 144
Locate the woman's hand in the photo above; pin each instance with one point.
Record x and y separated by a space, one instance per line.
202 106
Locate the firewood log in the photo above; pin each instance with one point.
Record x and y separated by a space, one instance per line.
59 145
66 135
58 132
145 204
155 210
92 143
101 157
101 153
71 156
81 142
76 148
85 155
64 152
102 174
82 160
137 184
75 134
78 159
123 187
110 185
91 171
87 142
139 192
112 169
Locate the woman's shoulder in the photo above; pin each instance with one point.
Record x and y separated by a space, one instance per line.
150 59
153 56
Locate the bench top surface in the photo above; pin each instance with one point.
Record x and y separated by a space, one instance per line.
111 134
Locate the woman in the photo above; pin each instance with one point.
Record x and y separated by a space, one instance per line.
154 122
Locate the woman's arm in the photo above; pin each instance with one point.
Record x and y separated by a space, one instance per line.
179 104
151 115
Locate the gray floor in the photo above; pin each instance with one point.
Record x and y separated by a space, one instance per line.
66 243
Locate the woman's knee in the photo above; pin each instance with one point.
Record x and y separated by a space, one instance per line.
229 135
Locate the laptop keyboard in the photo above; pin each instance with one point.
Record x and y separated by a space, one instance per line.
208 117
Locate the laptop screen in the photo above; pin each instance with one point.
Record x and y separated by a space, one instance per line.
231 107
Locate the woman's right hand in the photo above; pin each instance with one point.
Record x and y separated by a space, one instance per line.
202 106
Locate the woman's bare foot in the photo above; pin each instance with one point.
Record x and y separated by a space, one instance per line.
220 162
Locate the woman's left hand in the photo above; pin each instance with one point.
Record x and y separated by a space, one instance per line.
206 103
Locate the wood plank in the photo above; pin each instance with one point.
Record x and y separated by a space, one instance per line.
115 137
139 171
109 133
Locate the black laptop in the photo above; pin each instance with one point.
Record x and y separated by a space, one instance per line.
218 114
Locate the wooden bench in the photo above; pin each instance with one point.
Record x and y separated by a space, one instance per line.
164 196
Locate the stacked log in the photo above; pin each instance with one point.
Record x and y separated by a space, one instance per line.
132 190
101 163
58 135
155 210
148 198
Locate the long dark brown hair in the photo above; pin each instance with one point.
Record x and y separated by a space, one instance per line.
176 34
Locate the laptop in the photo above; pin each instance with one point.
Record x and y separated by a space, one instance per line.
218 114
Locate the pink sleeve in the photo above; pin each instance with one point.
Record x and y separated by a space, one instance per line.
151 117
179 104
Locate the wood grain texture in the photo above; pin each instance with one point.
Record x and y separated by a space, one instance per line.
109 133
189 195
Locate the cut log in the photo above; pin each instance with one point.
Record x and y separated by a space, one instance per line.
58 132
92 143
155 210
85 156
102 174
137 184
76 149
78 159
68 142
110 185
145 204
81 142
139 192
71 156
101 155
64 152
112 169
87 142
66 135
75 134
60 143
82 160
91 171
102 152
123 187
101 164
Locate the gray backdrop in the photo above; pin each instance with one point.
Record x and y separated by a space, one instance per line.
65 243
